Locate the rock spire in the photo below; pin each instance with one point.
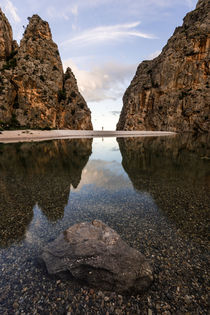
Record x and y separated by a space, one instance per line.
34 91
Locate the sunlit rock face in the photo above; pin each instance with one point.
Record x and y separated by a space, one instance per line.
171 92
37 174
6 37
77 114
35 92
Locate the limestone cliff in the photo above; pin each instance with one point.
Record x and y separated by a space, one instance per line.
171 92
5 37
34 91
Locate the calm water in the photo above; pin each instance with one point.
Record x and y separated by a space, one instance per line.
153 191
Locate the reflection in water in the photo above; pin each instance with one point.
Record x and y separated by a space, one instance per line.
174 170
102 174
167 206
37 173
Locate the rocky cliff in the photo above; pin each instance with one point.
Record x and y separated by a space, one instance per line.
34 91
171 92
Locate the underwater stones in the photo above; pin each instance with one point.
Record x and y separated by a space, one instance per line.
95 253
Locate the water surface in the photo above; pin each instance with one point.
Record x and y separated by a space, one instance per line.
153 191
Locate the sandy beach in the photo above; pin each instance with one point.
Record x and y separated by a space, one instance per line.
41 135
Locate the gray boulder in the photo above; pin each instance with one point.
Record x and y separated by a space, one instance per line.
93 252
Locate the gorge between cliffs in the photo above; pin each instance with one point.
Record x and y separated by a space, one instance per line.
104 222
168 93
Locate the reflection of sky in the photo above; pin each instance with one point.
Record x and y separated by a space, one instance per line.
104 174
104 168
106 149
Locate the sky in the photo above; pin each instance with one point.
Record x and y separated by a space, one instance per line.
103 42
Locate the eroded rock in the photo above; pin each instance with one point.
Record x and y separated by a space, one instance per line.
34 91
171 92
95 253
6 37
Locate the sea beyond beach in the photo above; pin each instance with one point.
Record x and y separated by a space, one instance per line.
153 190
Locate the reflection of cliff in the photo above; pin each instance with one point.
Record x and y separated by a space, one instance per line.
175 171
39 173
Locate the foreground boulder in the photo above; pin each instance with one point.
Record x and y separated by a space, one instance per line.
171 92
95 253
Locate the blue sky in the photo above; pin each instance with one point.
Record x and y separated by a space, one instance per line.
103 41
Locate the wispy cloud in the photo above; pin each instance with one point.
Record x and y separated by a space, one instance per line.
107 33
11 11
154 54
115 112
62 13
74 10
190 4
107 81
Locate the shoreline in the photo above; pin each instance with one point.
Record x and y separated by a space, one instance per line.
13 136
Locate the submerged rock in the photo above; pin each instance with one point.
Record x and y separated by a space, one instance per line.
95 253
171 92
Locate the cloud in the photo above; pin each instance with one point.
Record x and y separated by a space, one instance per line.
190 4
74 10
154 54
107 81
115 112
106 174
62 13
107 33
11 10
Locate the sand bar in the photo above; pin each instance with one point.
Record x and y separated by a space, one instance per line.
41 135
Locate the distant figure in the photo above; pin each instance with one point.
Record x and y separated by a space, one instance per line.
102 128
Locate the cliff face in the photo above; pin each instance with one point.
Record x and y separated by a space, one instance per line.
76 114
5 37
35 93
171 92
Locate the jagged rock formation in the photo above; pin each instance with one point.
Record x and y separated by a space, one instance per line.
29 177
6 40
171 92
34 91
